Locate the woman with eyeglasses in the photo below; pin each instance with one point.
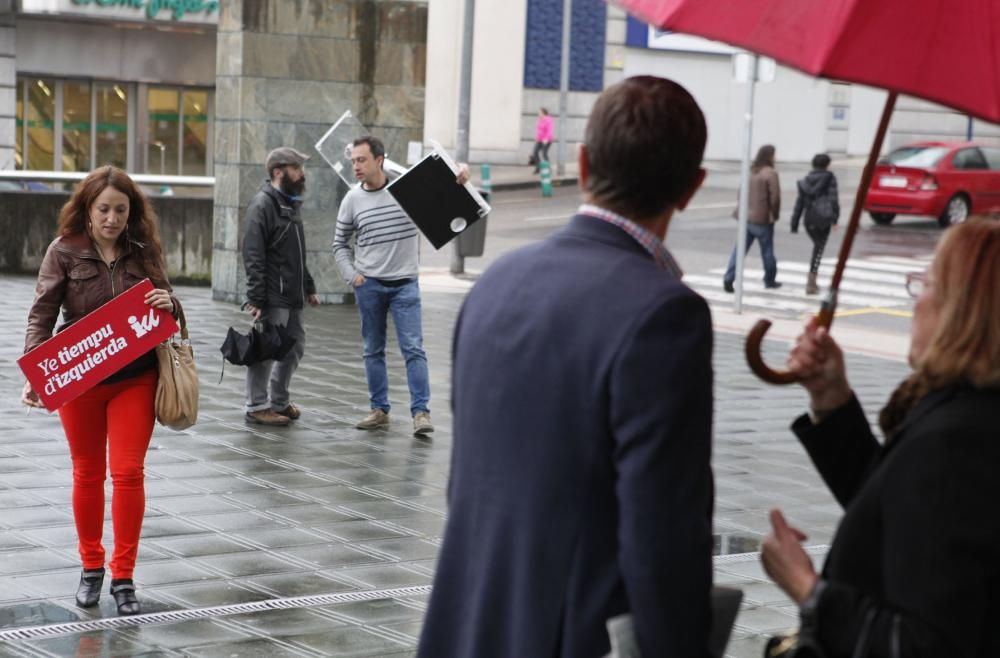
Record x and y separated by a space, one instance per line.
914 569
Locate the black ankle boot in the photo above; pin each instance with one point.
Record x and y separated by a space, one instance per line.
89 591
124 592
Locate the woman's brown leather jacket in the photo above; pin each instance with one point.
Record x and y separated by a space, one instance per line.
75 278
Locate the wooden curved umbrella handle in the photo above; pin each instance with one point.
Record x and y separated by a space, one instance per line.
756 361
756 337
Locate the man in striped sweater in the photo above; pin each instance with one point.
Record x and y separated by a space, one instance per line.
382 265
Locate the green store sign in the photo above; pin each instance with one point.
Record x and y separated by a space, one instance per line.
175 9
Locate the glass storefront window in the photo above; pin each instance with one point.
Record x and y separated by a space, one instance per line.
41 124
194 158
76 126
164 123
112 125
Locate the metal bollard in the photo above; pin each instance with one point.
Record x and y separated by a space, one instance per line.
484 185
546 172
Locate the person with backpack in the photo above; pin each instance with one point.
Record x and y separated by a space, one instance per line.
818 202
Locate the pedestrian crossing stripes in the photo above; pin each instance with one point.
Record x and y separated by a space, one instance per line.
877 281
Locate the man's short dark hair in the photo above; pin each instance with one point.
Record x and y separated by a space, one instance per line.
374 144
821 161
645 141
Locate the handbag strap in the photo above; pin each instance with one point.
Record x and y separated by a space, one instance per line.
182 321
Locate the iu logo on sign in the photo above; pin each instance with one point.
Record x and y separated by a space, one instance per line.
146 324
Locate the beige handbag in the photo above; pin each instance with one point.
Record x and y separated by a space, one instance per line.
177 390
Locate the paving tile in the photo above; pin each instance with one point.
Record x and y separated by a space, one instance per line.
248 563
34 560
170 571
281 623
258 648
329 555
403 548
296 583
373 613
281 537
198 545
386 576
215 593
90 645
345 642
183 634
358 531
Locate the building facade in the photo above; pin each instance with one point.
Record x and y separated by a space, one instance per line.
516 60
123 82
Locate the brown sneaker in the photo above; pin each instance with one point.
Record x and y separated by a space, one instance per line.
422 423
291 411
267 417
376 419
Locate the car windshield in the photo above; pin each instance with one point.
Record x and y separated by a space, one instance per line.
916 156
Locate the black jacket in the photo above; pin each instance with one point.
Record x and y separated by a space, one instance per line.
818 200
918 549
274 252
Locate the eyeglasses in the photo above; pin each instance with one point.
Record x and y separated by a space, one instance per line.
916 283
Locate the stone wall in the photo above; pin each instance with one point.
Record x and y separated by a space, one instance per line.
285 72
28 222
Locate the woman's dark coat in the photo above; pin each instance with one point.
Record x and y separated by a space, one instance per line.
918 550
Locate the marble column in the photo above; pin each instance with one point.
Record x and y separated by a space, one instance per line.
285 72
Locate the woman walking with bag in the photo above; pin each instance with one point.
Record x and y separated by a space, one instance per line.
914 569
107 241
818 200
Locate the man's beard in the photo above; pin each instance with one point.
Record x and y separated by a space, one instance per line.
293 189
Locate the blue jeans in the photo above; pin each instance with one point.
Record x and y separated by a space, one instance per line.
764 233
375 302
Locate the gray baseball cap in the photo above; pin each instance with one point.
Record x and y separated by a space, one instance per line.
282 156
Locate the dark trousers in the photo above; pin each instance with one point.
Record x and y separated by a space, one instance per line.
540 153
819 237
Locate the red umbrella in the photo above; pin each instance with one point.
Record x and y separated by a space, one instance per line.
945 51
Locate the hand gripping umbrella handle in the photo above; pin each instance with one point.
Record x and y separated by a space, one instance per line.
825 315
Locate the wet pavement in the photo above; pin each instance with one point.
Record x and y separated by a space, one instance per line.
320 539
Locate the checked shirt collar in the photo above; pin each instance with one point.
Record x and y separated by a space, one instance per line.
646 238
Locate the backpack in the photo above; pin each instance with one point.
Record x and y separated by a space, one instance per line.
819 210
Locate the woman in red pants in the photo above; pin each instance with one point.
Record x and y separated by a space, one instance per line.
107 242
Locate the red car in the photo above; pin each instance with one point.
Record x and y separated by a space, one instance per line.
946 180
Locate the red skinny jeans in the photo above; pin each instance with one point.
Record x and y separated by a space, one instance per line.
110 423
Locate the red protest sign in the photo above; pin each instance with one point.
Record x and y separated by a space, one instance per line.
96 346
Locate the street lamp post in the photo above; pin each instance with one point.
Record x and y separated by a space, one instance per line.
567 19
464 105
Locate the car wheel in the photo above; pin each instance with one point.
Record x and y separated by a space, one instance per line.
883 218
956 212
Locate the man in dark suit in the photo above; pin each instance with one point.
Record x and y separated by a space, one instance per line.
582 393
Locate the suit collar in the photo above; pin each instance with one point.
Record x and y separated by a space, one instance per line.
592 228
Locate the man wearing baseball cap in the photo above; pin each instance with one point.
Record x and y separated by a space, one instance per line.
278 281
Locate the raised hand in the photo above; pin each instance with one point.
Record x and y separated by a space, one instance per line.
785 561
